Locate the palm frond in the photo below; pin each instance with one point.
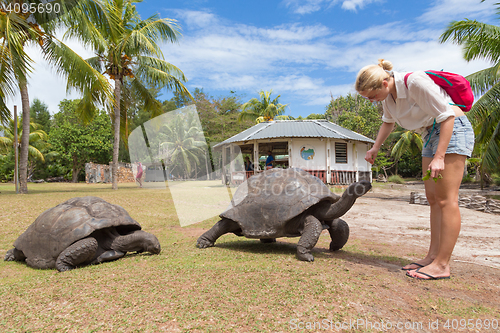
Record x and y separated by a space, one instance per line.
144 39
144 94
480 40
483 80
482 108
36 154
79 73
159 73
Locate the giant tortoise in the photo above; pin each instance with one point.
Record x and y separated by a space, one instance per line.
287 203
78 232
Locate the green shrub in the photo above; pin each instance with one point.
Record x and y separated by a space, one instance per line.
468 179
496 178
396 179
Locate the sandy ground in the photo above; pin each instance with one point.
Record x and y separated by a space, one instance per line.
385 216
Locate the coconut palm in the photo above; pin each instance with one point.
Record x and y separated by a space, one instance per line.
407 141
482 41
183 145
19 29
126 47
37 139
264 109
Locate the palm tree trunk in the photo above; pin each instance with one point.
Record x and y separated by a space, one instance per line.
116 146
25 139
74 178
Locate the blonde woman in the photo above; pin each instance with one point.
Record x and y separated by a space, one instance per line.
423 106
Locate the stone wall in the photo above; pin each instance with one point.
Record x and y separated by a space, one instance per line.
101 173
476 202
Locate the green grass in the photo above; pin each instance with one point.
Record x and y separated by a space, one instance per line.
396 179
240 285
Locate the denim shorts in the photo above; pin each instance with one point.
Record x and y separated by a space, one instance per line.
461 142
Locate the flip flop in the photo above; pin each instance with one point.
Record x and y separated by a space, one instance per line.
430 277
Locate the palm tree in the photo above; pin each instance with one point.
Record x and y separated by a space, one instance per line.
407 141
482 41
17 31
183 144
37 139
264 109
126 47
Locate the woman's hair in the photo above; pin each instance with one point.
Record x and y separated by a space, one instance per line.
371 77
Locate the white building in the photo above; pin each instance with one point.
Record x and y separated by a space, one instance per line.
324 149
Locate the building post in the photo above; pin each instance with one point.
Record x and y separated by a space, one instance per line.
328 161
255 157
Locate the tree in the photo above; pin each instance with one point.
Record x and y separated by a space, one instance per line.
264 109
78 143
17 31
183 144
356 114
482 41
126 48
407 141
316 116
37 141
39 113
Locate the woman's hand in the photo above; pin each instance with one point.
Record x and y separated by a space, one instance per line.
436 166
371 155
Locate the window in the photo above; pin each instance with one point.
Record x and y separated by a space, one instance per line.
340 152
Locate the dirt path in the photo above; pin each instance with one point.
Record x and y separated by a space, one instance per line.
384 215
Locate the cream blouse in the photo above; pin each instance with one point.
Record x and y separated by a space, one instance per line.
416 107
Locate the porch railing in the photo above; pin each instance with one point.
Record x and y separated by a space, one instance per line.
337 177
342 177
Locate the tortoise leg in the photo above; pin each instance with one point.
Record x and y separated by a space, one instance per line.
339 233
222 227
110 256
138 241
14 255
309 238
77 253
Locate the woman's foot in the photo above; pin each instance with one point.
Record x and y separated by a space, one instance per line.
417 274
430 272
412 266
418 264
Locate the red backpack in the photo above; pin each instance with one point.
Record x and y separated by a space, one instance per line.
455 85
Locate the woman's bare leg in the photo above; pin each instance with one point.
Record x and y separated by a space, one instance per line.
445 216
435 220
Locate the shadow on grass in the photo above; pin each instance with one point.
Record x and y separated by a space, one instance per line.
284 248
128 256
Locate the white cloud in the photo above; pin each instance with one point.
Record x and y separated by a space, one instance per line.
353 5
444 11
303 7
197 18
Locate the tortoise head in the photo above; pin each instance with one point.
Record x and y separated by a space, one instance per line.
151 243
359 188
139 241
348 198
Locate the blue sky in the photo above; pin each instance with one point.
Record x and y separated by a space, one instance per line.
304 50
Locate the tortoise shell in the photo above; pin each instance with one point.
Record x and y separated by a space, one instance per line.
264 203
59 227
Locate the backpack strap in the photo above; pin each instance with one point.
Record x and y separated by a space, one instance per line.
406 79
